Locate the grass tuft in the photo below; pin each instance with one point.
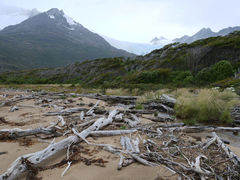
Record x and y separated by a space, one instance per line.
208 106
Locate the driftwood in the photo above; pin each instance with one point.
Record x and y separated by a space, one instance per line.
15 100
233 157
133 111
112 99
156 143
17 133
66 112
112 132
194 129
162 117
167 100
18 168
14 108
157 106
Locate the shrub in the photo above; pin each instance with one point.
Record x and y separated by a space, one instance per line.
154 76
219 71
181 75
206 106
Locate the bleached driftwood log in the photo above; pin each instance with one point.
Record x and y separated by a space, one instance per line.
165 99
133 122
114 99
61 119
232 156
65 112
162 117
203 173
112 132
82 115
16 99
90 111
194 129
158 107
135 111
18 168
16 132
14 108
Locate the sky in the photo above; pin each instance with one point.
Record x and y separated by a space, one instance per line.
141 20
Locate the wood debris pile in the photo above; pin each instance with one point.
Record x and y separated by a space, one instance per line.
162 142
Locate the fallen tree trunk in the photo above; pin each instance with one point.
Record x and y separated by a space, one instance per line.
113 99
233 157
112 132
66 112
194 129
162 117
138 111
17 133
19 167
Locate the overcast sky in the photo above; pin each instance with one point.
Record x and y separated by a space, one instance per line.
142 20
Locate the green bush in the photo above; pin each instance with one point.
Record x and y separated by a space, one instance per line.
219 71
222 70
154 76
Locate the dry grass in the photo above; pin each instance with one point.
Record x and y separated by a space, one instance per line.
205 106
152 95
117 92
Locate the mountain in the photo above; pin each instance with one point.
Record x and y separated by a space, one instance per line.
161 40
170 64
206 33
136 48
51 39
13 16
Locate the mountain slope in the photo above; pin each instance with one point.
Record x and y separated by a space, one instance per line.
170 64
206 33
51 39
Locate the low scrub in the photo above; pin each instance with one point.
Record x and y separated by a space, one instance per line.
208 106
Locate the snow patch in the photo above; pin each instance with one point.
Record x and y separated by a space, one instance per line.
70 20
71 29
51 16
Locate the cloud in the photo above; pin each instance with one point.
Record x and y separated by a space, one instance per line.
141 20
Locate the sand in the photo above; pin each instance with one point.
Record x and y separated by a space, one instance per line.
32 115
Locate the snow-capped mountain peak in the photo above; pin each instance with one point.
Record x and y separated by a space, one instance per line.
61 18
70 20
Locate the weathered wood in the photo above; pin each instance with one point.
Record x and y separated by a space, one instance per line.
66 112
133 111
162 117
17 133
112 132
157 106
65 170
14 108
61 119
194 129
90 111
112 99
131 123
36 159
233 157
167 100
